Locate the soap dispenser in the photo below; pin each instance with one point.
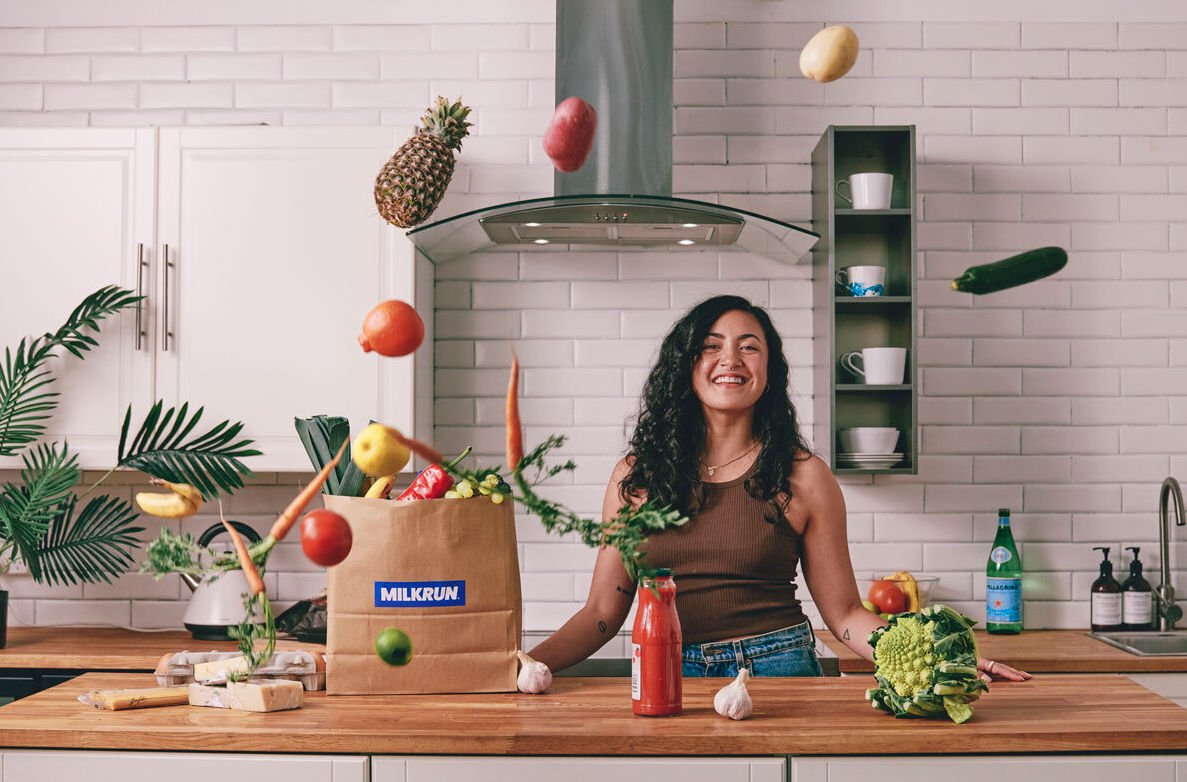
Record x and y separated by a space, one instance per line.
1137 597
1106 597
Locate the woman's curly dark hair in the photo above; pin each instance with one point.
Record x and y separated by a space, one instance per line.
665 449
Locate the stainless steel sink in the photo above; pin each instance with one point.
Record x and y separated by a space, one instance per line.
1147 644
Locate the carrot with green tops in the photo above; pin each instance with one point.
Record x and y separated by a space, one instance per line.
254 581
514 431
289 516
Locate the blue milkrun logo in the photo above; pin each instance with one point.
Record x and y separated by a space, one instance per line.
410 594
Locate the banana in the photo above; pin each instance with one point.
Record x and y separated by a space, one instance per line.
906 583
382 487
183 500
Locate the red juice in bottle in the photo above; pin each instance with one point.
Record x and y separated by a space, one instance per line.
656 647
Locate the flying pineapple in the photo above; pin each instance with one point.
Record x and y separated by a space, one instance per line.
412 183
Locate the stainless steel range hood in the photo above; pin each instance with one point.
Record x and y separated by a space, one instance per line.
616 55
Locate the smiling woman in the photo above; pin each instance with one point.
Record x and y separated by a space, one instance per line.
717 438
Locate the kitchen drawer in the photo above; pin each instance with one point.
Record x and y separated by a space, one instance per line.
46 765
392 768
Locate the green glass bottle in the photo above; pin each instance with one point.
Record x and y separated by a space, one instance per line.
1003 581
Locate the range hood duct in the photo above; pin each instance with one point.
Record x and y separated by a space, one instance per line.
617 56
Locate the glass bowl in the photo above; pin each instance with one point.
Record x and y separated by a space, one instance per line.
927 585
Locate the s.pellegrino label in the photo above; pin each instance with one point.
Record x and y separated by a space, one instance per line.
1003 581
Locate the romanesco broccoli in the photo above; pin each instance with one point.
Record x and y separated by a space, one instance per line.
925 664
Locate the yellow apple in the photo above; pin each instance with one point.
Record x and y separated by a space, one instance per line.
378 452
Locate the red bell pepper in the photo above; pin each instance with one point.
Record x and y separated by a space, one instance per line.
432 482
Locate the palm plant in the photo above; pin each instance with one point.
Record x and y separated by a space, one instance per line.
40 521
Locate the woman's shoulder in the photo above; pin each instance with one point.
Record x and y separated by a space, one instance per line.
811 474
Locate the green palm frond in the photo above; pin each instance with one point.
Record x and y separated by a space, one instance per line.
26 511
92 547
25 401
209 461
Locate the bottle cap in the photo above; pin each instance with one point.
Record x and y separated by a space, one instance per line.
1003 512
657 572
1135 567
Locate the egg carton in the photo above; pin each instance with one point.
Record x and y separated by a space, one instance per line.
309 668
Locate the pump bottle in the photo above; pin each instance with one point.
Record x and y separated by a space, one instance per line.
1106 597
1137 597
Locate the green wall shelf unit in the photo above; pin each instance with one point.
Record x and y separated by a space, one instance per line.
843 323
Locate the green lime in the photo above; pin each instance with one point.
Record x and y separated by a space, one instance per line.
393 646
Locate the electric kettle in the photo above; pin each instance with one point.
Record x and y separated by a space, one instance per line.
217 602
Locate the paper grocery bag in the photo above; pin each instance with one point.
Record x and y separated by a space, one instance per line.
446 572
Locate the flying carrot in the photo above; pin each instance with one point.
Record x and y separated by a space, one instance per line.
423 450
288 517
514 431
254 581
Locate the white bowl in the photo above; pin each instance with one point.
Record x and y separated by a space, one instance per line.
868 439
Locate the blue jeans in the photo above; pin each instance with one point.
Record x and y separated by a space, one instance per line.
787 652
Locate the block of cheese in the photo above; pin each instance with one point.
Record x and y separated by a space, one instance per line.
117 700
251 695
309 668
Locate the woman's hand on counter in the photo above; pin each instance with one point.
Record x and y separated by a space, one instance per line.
991 668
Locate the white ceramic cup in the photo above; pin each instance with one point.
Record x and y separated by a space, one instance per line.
868 439
862 280
868 191
877 366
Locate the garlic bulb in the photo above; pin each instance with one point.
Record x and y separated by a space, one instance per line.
733 700
534 675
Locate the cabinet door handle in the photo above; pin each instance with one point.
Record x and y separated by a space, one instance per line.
166 332
140 264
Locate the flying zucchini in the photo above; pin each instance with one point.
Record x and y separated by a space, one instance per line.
1016 270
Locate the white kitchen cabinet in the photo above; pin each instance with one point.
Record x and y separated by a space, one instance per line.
43 765
263 252
395 768
77 215
271 253
990 768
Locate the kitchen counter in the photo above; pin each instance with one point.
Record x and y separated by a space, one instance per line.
1079 713
1038 651
106 649
110 649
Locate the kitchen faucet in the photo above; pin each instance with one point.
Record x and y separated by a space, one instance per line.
1168 612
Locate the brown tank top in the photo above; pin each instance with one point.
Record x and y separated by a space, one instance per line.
734 570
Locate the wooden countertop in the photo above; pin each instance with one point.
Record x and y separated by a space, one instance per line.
1080 713
1038 651
106 649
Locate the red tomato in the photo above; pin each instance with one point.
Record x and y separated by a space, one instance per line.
325 537
888 597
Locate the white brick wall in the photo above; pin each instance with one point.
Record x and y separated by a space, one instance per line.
1063 400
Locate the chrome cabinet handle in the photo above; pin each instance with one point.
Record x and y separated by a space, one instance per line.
166 332
140 264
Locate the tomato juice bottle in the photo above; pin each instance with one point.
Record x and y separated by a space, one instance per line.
656 647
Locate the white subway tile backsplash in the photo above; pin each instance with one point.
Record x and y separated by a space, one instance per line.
1085 498
1037 121
71 40
187 39
89 96
203 67
1021 469
955 206
44 68
22 40
1072 92
970 439
1069 439
1119 353
782 91
1042 381
1069 35
927 119
215 95
902 527
971 35
1013 63
919 62
1021 410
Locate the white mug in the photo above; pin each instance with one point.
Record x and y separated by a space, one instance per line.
862 280
879 366
868 191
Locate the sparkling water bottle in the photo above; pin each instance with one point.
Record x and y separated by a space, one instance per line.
1003 581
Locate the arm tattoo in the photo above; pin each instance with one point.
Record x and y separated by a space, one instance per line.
845 635
601 627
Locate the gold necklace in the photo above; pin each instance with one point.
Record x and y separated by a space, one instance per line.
712 469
